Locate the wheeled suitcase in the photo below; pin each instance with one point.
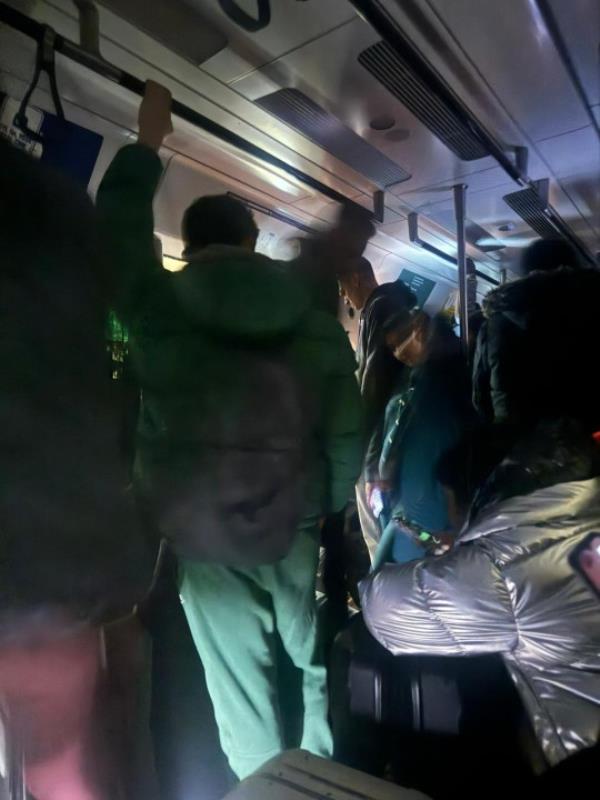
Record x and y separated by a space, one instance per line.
297 775
399 715
414 694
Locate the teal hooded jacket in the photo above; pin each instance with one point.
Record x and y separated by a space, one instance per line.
183 326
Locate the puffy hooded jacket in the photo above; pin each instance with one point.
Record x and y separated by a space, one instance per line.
187 328
509 587
534 355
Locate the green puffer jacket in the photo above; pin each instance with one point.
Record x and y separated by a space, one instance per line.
186 328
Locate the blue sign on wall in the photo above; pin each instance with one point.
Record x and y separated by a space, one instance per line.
69 148
422 287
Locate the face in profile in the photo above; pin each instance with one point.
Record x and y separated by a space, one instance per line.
351 290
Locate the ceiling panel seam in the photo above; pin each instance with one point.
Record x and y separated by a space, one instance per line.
291 51
525 136
566 133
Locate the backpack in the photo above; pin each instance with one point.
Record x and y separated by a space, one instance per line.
234 492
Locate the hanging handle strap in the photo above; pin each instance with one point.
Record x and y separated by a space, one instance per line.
247 21
44 63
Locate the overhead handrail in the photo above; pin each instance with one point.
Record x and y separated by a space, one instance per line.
273 213
414 238
89 26
36 30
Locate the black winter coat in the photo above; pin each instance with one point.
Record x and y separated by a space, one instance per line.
537 352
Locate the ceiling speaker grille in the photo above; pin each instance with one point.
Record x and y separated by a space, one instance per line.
531 207
397 77
300 112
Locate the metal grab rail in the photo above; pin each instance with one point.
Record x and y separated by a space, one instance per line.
413 235
93 61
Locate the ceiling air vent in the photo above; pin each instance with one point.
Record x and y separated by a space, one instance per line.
300 112
531 205
398 78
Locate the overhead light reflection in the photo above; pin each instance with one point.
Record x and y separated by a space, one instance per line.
517 241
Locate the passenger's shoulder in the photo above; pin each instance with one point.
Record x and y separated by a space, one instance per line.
541 289
321 325
326 333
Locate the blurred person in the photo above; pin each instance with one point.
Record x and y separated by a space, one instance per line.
509 585
533 350
378 372
323 256
428 413
72 554
546 255
327 254
208 345
377 369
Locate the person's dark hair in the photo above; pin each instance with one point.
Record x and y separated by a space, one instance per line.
361 267
547 255
400 320
364 268
217 219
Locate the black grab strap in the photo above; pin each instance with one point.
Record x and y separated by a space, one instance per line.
247 21
44 63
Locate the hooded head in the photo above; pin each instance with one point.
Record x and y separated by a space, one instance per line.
546 255
227 288
218 219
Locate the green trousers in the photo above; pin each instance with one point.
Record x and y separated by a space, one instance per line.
235 616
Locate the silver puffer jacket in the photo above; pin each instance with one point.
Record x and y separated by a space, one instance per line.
508 587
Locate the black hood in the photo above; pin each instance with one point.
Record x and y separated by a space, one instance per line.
554 291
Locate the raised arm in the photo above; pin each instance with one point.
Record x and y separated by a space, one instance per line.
125 197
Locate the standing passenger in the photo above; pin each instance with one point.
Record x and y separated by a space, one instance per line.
428 413
378 372
533 351
328 254
208 344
